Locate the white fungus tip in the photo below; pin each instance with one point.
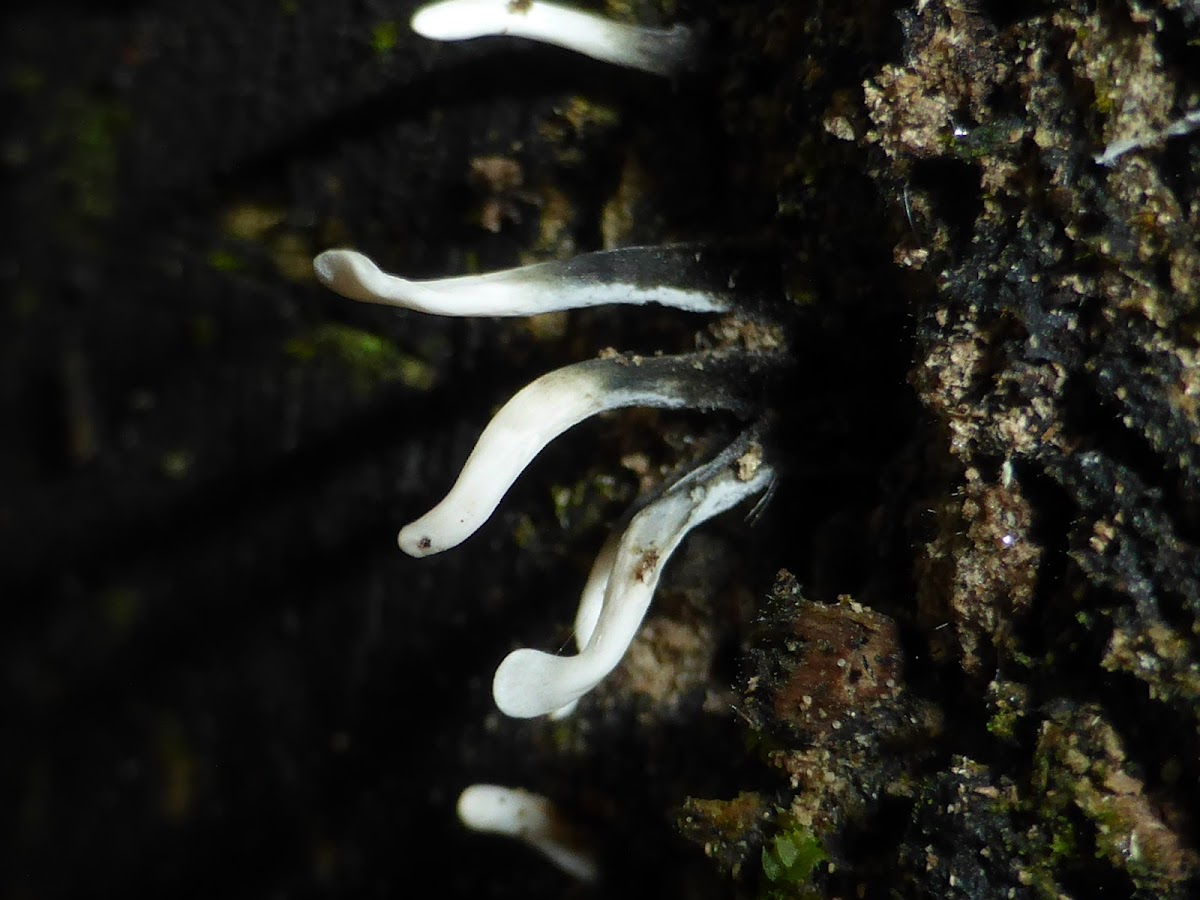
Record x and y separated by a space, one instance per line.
530 818
530 683
502 810
413 541
459 21
659 51
349 273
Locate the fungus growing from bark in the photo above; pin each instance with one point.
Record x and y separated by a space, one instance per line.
734 368
733 376
533 683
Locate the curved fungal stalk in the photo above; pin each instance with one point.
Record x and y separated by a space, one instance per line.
553 403
591 601
591 598
531 683
659 51
530 818
684 277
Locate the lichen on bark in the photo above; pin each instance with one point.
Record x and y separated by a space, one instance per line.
1052 620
